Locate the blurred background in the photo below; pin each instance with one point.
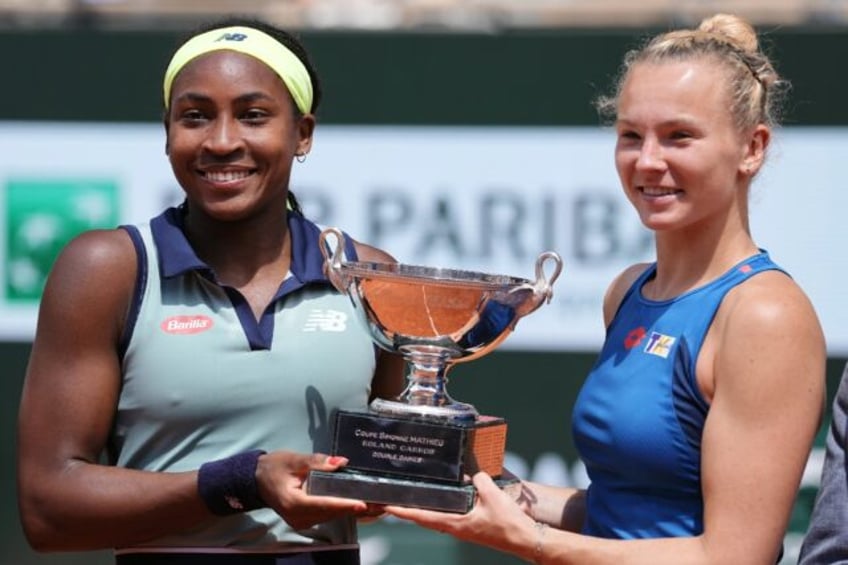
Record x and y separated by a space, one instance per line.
458 133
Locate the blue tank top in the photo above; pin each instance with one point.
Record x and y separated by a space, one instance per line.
638 419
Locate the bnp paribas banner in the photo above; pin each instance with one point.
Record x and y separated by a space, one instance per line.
476 198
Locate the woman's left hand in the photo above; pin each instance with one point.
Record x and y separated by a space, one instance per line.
281 477
496 520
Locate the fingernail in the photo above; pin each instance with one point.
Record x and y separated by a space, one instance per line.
336 460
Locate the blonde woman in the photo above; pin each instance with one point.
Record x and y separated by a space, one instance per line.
697 419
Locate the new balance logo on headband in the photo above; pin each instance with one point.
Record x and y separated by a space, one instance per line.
232 37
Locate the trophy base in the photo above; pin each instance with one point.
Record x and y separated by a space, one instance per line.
419 448
456 498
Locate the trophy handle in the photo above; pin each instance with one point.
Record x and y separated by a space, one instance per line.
545 286
542 289
333 257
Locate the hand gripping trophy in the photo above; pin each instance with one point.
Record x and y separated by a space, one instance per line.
420 449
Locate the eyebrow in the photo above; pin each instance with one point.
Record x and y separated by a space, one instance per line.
675 122
243 98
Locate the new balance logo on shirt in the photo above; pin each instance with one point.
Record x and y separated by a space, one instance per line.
325 321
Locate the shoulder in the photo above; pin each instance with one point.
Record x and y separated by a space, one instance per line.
96 262
367 252
619 287
768 302
104 250
89 288
767 328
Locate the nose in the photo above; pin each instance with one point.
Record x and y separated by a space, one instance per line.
224 136
650 155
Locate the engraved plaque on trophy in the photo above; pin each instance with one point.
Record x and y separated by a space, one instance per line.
420 448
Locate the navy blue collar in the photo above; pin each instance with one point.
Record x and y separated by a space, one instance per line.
177 257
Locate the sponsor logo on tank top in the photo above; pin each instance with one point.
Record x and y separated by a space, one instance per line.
325 321
659 344
186 324
634 337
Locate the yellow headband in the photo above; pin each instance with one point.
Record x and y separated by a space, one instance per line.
250 42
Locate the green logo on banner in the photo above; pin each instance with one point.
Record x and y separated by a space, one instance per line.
41 217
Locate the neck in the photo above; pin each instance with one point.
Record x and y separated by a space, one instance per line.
686 261
238 250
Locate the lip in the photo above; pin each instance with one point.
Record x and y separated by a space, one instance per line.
226 176
658 192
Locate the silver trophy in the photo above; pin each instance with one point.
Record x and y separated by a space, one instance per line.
420 448
435 318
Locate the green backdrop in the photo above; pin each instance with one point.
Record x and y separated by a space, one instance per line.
511 78
545 78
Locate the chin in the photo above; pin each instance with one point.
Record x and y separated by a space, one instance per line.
657 224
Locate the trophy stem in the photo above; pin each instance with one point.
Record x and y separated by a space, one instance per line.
426 394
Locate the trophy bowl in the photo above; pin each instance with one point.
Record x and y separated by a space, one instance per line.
434 317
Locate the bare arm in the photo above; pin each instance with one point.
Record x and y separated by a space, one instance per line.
561 507
765 365
68 500
768 375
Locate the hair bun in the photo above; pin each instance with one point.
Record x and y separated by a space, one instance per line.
732 29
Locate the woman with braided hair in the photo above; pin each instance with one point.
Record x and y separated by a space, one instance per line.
185 370
697 419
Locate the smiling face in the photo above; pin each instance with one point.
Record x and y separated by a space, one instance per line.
232 135
680 158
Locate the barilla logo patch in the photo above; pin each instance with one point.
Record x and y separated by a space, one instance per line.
186 324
